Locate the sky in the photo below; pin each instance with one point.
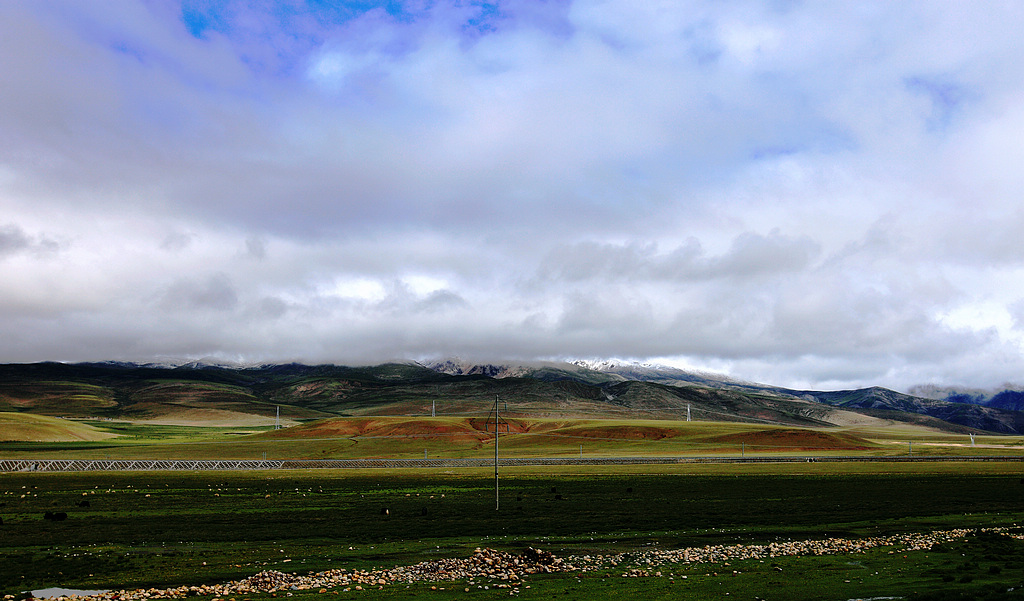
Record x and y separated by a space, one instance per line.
815 194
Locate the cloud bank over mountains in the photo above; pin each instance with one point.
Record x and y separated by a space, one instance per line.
807 194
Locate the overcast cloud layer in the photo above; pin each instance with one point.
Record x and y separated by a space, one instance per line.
812 194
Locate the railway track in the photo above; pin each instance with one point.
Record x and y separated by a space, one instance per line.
127 465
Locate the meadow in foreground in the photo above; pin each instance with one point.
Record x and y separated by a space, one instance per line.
127 530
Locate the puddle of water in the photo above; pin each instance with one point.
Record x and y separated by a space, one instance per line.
48 593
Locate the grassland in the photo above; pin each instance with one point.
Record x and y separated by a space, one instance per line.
456 437
160 529
168 529
26 427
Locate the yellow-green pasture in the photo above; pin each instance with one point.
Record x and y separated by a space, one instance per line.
412 437
26 427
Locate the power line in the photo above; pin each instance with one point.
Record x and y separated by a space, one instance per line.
494 418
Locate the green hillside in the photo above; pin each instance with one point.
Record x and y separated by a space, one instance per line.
216 396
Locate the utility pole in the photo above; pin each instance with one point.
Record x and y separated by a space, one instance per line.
499 422
496 496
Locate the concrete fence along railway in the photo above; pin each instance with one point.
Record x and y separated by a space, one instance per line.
118 465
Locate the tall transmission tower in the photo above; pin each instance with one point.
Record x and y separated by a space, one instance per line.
494 420
277 419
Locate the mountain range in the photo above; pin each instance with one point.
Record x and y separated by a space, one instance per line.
204 394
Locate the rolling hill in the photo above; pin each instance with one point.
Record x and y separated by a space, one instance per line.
25 427
1001 413
199 394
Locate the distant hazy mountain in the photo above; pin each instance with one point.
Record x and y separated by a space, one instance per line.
545 371
458 367
1007 397
592 371
993 419
651 372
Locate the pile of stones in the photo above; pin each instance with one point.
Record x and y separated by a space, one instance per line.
726 553
507 570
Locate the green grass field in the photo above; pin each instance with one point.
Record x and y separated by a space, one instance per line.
162 529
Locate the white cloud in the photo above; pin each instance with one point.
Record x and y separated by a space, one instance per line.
361 289
423 285
801 193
